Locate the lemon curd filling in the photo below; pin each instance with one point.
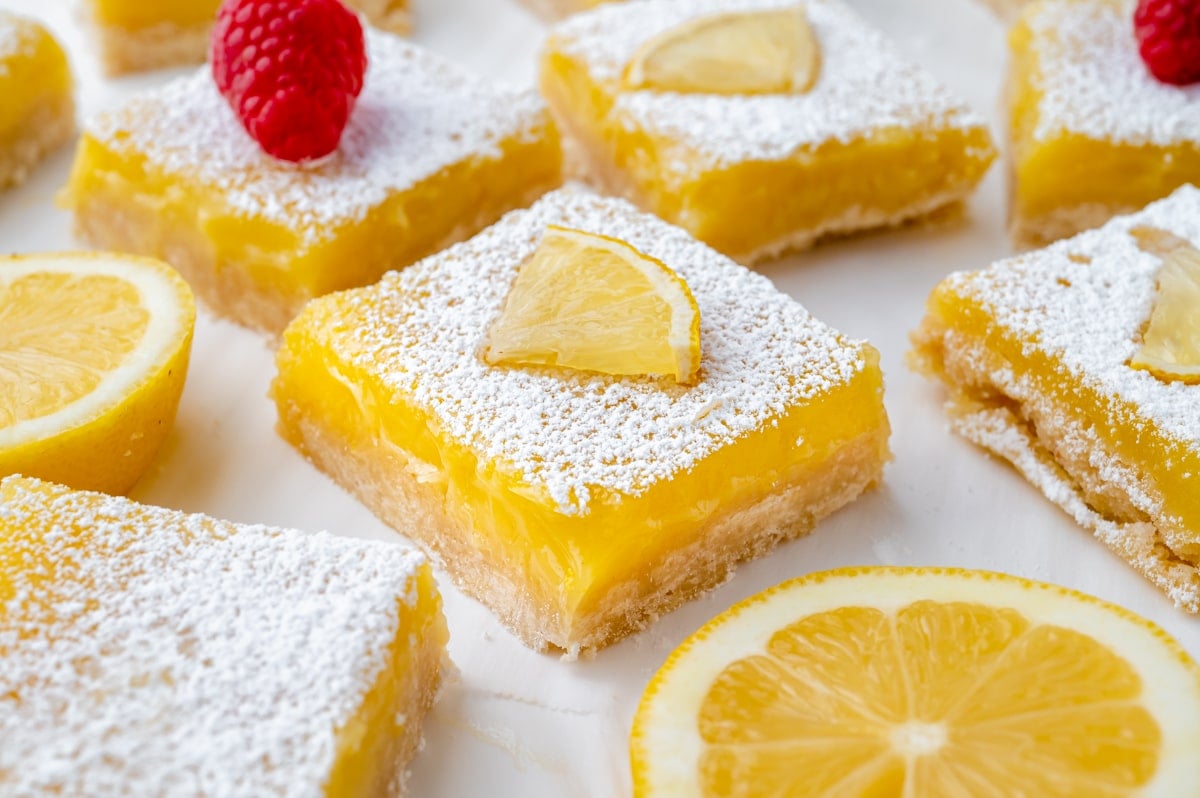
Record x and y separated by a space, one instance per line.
871 142
132 14
1037 353
579 506
37 113
278 662
174 175
1093 133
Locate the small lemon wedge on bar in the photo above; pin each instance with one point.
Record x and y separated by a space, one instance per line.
773 51
594 303
93 354
920 682
1171 343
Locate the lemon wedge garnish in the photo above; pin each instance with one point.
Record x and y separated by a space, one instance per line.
590 302
913 682
772 51
93 354
1171 343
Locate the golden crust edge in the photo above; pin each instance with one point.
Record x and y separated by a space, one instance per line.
227 289
387 487
1056 454
583 164
49 127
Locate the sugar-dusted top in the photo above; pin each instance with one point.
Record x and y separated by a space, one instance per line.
1093 81
417 115
1085 301
15 37
864 84
173 654
575 436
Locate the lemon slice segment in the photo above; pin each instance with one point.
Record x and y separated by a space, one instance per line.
772 51
914 682
93 355
1171 344
589 302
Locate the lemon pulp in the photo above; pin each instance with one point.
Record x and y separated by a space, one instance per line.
913 682
1171 343
93 355
758 52
591 302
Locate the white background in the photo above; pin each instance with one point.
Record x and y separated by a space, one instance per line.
520 723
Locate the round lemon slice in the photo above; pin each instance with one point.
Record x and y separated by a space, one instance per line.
913 682
772 51
589 302
93 354
1171 343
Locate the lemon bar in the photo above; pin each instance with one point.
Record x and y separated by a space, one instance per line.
37 105
1037 355
1092 133
578 506
430 156
136 35
150 652
874 141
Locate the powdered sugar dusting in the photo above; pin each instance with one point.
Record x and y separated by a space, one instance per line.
574 437
1085 301
865 85
1095 84
14 38
417 115
174 654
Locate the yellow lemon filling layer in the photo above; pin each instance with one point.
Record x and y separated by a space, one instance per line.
1166 462
123 200
134 14
1070 169
371 743
569 562
34 75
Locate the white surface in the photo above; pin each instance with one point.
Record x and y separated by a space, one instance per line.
520 723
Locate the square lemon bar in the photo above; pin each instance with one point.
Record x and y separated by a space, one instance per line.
579 506
1092 132
870 140
136 34
37 105
151 652
1038 353
431 155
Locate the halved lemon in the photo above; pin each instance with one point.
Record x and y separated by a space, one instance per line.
1171 343
921 683
772 51
93 355
590 302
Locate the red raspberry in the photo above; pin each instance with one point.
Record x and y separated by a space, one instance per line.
1168 34
291 70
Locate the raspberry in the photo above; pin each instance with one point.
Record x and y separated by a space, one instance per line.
1168 34
291 70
